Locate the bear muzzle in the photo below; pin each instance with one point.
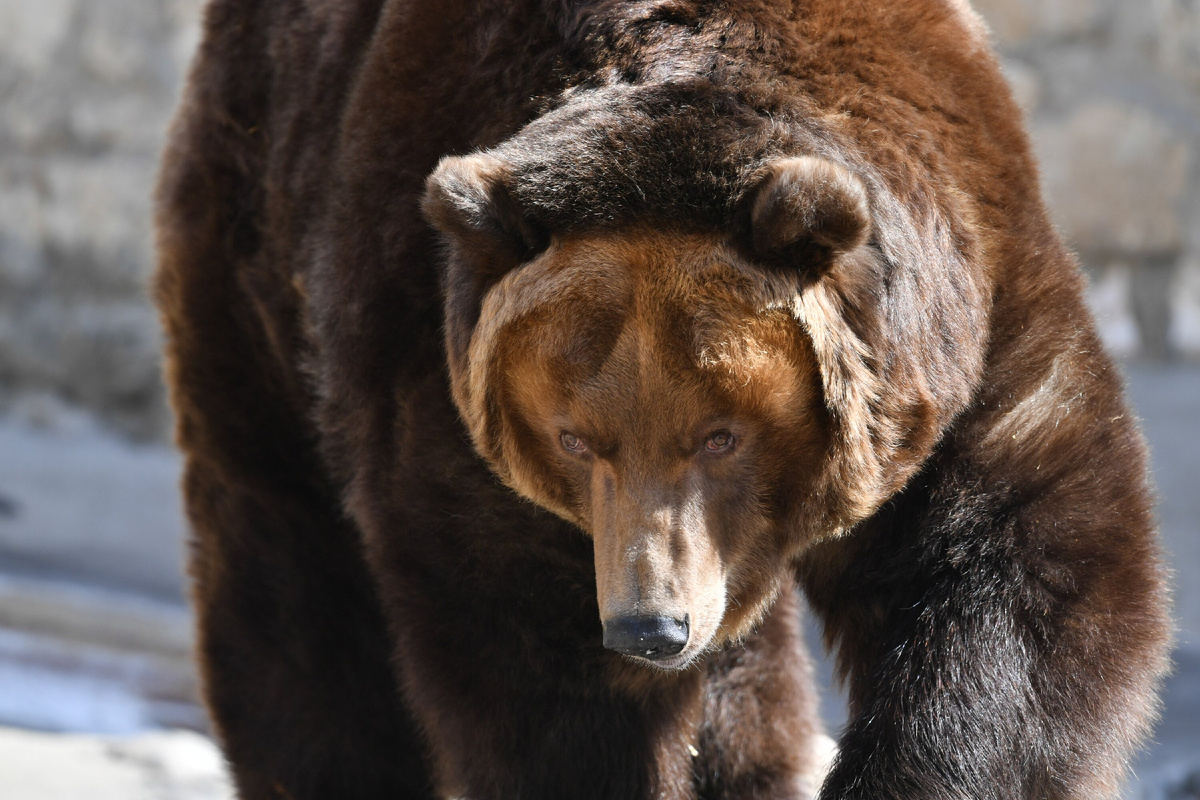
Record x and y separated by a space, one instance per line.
651 637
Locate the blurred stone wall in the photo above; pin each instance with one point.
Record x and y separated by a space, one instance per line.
1112 88
87 88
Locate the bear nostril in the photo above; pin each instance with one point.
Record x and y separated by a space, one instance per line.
651 637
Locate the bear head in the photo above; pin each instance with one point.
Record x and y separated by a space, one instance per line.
650 385
692 395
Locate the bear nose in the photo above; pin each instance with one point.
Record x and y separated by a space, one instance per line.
649 637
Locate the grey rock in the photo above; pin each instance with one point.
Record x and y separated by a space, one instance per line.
1017 21
1184 333
1026 85
32 33
86 94
1109 296
1115 176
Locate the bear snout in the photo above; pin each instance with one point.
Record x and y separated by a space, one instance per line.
652 637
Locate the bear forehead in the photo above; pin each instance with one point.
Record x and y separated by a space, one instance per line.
680 291
650 270
653 316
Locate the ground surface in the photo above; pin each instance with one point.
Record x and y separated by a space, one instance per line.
95 676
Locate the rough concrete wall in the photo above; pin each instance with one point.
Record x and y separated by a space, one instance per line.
86 92
87 87
1112 89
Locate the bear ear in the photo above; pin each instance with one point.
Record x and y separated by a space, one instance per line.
806 212
468 201
467 198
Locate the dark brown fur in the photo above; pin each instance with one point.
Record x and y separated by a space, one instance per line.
958 484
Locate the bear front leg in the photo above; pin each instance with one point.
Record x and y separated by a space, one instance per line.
761 731
994 646
292 648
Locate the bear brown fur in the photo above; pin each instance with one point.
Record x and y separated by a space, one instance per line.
495 325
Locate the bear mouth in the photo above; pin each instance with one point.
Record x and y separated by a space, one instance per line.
689 657
673 663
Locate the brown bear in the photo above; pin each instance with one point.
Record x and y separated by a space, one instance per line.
529 355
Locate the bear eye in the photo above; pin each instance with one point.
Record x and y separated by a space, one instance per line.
718 442
572 443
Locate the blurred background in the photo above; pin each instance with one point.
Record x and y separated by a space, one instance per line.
97 690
